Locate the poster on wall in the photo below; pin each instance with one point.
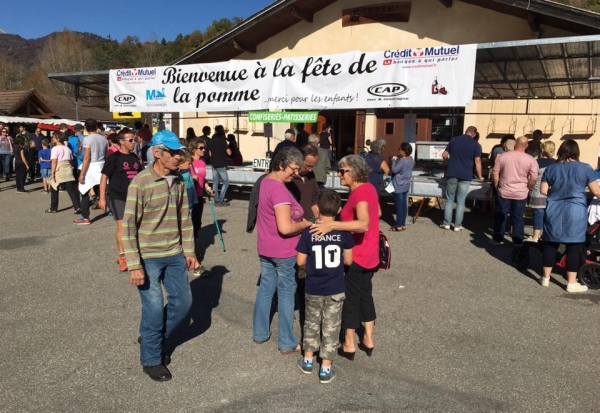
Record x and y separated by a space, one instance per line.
419 77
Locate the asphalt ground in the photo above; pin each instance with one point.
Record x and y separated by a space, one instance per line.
459 329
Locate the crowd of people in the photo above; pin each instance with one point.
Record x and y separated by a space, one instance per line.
315 254
524 173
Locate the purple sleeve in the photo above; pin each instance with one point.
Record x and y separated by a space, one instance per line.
278 194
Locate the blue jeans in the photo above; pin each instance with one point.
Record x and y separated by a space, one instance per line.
220 174
155 327
538 218
401 201
516 209
276 274
5 159
455 188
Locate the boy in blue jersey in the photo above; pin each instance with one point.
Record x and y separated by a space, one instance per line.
324 258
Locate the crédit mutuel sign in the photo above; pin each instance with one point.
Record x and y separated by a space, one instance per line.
354 80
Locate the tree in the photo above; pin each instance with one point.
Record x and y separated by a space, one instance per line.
12 72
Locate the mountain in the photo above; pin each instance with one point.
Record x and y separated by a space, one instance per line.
27 51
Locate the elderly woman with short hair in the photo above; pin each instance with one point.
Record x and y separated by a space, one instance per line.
360 216
377 165
279 222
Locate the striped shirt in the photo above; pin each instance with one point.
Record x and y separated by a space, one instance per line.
157 221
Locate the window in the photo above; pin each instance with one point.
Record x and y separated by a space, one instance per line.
389 128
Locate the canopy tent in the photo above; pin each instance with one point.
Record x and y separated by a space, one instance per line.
559 68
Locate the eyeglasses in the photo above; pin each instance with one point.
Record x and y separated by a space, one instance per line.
343 171
295 170
201 148
4 131
128 140
309 167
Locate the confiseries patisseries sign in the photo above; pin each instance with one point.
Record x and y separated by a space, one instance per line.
419 77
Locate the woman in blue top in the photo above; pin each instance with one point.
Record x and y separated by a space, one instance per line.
402 167
566 212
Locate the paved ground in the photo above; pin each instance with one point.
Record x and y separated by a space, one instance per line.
458 329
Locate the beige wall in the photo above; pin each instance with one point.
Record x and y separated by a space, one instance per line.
555 117
430 24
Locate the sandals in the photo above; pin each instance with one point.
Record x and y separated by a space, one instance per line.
51 211
397 229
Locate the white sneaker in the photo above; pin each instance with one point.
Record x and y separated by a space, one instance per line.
457 229
545 282
530 239
493 242
576 288
444 226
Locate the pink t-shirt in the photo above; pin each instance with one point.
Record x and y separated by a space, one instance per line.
199 172
60 153
366 249
112 149
515 170
270 243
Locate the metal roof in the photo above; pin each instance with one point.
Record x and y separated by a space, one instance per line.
96 80
559 68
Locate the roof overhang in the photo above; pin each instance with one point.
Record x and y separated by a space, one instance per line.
96 80
559 68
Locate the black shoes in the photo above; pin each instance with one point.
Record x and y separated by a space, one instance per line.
346 354
158 372
368 350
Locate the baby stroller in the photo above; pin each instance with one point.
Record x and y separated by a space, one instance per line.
589 273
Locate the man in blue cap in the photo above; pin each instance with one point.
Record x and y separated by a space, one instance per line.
158 240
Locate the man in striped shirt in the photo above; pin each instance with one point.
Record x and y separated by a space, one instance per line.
159 247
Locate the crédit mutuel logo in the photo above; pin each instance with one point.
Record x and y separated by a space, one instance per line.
420 52
135 74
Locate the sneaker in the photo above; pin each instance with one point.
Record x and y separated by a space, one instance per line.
305 367
21 192
325 378
444 226
198 271
458 229
122 263
545 282
576 288
82 221
530 239
224 203
493 242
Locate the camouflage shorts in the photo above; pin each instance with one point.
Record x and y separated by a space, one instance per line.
322 324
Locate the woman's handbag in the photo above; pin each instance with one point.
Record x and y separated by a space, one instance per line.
385 253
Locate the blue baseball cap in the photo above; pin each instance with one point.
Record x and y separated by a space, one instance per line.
167 138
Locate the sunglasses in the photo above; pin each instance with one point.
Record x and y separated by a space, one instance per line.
4 131
343 171
172 152
201 148
128 140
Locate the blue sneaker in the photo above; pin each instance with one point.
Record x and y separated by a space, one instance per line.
304 367
325 378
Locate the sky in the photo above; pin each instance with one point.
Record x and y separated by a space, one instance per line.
145 19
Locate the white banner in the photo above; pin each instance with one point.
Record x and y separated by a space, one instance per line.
423 77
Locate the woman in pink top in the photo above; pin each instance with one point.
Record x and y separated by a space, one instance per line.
279 222
360 216
197 147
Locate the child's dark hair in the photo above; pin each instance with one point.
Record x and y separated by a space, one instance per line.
19 140
329 203
185 156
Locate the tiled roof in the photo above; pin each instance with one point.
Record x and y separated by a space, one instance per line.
65 109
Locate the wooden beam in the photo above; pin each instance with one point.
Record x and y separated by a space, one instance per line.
243 47
533 21
301 14
447 3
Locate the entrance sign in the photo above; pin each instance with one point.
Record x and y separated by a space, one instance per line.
261 163
283 117
418 77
